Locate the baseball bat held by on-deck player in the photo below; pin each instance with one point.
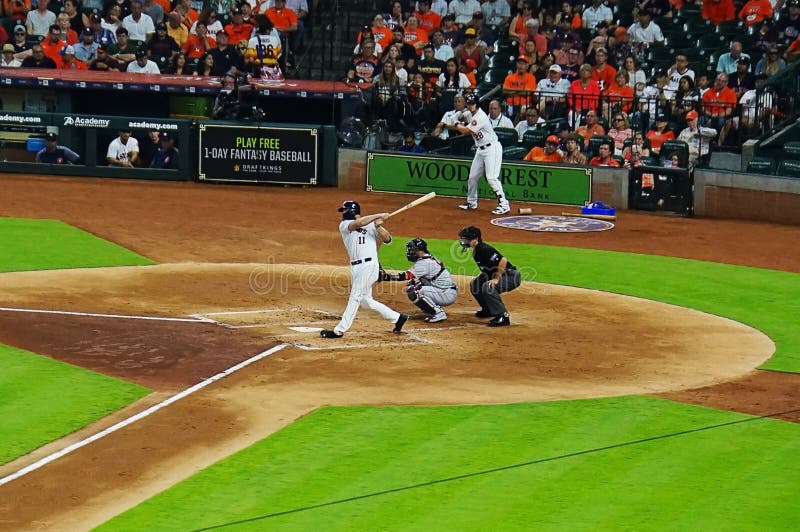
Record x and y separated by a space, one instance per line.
423 199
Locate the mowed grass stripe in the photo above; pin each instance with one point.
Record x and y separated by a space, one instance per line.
606 463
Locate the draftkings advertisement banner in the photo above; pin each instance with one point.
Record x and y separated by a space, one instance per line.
251 154
561 185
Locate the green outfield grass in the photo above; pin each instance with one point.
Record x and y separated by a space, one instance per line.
42 399
767 300
634 463
51 245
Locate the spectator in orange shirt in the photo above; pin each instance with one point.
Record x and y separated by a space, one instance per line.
188 14
52 44
428 20
619 95
519 87
716 11
755 11
549 154
584 93
590 128
238 30
660 133
68 35
68 61
16 9
283 18
380 32
532 34
718 104
602 72
198 45
414 35
604 156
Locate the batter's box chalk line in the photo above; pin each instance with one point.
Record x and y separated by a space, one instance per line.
252 319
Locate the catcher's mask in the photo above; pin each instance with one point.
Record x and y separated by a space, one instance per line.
350 209
467 235
412 246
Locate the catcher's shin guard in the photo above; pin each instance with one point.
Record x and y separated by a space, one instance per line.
426 305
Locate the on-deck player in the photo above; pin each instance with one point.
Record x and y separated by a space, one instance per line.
487 160
361 235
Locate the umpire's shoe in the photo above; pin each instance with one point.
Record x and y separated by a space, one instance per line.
328 333
483 313
398 325
500 321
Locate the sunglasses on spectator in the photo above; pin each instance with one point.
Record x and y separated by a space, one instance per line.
619 119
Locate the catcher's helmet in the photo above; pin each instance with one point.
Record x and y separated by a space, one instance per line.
412 246
467 235
349 209
471 99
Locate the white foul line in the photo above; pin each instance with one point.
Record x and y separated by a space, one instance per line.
125 422
95 315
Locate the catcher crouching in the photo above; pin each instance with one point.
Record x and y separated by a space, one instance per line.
428 283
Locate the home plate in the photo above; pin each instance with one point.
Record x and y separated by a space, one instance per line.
306 329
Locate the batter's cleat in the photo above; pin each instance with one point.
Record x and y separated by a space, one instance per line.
483 313
467 206
501 209
328 333
398 325
500 321
439 316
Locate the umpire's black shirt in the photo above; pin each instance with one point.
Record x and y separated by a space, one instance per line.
487 258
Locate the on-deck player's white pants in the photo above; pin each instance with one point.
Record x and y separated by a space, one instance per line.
362 277
486 161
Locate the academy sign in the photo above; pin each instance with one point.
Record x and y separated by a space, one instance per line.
79 121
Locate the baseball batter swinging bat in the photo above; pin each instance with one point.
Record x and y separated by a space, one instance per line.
423 199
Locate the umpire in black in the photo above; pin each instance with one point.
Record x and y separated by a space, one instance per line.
497 276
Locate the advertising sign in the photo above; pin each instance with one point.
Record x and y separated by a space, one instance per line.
258 154
561 185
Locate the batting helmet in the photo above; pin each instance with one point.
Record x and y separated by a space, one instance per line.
350 209
412 246
471 99
467 235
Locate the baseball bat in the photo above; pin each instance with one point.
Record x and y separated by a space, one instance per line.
423 199
595 216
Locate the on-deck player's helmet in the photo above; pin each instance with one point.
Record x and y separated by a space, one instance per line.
471 99
412 246
467 235
349 209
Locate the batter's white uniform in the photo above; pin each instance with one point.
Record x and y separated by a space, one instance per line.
362 248
487 160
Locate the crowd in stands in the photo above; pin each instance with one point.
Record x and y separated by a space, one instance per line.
636 74
153 36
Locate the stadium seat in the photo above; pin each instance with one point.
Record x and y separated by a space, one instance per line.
661 55
595 141
508 136
514 153
730 27
495 76
679 41
650 161
792 148
712 42
534 137
762 165
675 146
502 60
789 168
697 26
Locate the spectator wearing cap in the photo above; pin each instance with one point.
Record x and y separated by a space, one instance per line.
549 154
697 137
591 128
496 13
754 11
659 133
428 20
531 120
142 65
742 80
414 35
496 116
8 60
139 25
604 156
68 61
123 150
471 57
163 48
572 152
167 155
552 94
532 34
20 41
180 33
225 56
430 67
86 49
38 59
154 11
54 153
124 50
40 20
102 36
727 61
68 35
645 31
519 87
600 40
486 36
602 72
463 10
771 63
16 9
596 13
104 62
718 11
789 24
52 44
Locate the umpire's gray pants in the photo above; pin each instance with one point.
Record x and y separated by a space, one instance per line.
489 297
